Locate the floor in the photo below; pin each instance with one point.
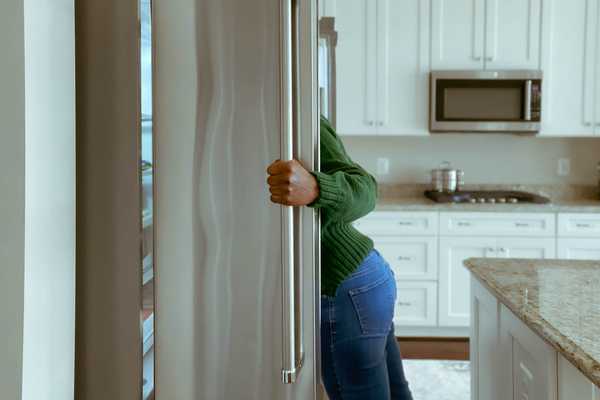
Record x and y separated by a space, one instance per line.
438 380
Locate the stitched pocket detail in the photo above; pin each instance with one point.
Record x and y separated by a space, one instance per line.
374 305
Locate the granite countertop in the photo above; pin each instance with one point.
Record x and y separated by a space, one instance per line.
565 198
424 204
558 299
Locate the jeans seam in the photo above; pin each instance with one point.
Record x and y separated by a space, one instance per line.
332 349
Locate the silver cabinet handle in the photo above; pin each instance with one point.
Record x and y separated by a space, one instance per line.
581 225
405 223
292 356
527 101
522 225
477 58
463 223
404 258
502 250
404 304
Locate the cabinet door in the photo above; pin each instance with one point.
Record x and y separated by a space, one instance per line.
526 248
416 304
513 34
457 30
531 362
579 249
454 282
403 67
411 258
484 344
356 55
568 65
572 384
596 76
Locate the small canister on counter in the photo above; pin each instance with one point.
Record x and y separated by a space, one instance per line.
446 179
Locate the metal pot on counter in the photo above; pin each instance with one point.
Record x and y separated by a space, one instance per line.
446 179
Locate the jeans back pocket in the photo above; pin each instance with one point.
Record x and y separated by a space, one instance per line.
374 305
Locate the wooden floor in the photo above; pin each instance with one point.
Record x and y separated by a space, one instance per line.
434 348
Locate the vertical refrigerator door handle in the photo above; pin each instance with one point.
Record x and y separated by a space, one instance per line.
292 356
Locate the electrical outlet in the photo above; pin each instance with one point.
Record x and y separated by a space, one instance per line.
564 167
383 166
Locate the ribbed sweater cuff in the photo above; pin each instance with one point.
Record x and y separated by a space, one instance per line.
330 194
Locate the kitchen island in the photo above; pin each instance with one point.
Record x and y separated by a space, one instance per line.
535 329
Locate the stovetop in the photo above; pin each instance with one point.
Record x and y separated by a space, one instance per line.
487 197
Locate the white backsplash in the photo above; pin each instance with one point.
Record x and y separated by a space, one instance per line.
489 159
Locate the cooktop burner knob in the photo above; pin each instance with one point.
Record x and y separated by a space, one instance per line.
512 200
481 200
473 200
492 200
501 200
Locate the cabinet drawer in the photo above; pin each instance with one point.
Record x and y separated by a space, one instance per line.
579 225
579 249
416 304
411 258
398 223
498 224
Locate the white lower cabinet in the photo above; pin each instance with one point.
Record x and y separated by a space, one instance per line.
454 277
416 304
527 248
572 384
528 362
411 258
511 362
579 249
485 342
426 251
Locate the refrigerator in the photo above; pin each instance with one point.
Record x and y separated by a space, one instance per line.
237 277
191 284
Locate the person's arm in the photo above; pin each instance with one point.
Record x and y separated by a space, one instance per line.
343 189
346 191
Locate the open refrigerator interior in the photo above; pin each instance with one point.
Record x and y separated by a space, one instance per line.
147 220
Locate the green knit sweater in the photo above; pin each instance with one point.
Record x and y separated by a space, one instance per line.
347 192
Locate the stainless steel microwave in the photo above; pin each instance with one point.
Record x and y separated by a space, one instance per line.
486 101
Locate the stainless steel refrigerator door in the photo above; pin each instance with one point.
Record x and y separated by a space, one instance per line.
218 112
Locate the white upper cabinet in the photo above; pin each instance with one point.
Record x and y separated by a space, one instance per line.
513 34
402 67
457 34
356 53
570 49
486 34
382 66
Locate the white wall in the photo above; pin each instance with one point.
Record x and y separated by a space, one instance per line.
494 159
37 233
49 324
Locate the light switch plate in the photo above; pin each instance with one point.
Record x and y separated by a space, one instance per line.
564 167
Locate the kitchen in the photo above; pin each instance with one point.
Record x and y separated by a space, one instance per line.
142 258
499 196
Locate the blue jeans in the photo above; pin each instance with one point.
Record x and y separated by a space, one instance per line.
360 356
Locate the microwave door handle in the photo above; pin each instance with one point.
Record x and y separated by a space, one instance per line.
528 98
